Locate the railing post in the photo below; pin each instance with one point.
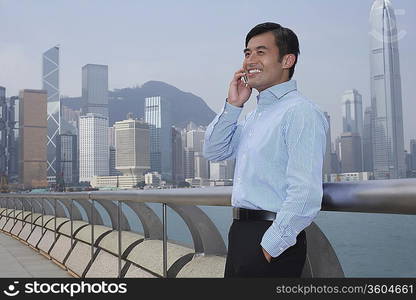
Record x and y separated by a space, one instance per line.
14 212
119 236
31 215
43 212
55 218
92 227
72 222
164 235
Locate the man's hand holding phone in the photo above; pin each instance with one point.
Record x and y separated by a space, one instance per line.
239 91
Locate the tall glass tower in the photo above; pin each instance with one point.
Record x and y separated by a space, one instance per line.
50 83
352 112
386 95
157 115
95 89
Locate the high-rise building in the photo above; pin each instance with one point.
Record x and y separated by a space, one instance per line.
67 154
367 139
113 170
3 132
413 154
33 134
178 174
218 170
352 112
351 152
132 146
158 115
12 126
327 170
189 163
50 83
195 142
95 89
93 146
386 97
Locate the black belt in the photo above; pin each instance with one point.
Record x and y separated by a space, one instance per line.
244 214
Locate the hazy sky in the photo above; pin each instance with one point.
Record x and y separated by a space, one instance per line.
197 45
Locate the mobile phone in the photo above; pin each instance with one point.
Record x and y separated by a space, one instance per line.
245 80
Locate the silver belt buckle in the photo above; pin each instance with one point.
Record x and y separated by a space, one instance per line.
236 213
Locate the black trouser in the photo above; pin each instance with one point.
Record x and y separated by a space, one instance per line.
245 257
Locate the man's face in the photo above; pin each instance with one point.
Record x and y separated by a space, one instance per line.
261 62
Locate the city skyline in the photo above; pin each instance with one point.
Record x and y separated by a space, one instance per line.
215 46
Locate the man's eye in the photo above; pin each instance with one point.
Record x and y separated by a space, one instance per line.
246 54
260 52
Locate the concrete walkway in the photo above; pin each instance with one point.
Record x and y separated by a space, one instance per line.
19 260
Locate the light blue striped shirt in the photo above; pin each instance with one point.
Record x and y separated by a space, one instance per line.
279 150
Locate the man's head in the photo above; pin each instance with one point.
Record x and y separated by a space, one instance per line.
270 56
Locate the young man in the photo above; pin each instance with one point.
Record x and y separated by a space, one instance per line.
279 151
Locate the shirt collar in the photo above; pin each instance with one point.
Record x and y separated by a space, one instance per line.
269 95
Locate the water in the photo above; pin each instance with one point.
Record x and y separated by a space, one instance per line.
367 245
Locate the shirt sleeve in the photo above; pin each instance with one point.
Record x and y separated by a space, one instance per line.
305 138
223 134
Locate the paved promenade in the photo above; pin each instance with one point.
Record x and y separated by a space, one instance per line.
19 260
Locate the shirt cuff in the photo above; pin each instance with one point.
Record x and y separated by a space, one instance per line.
231 112
274 244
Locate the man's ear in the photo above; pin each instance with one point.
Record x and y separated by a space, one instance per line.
288 61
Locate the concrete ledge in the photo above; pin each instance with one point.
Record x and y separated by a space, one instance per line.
85 233
79 258
25 232
66 228
149 254
105 265
59 221
46 219
203 267
46 241
110 241
9 225
17 228
35 236
136 272
61 248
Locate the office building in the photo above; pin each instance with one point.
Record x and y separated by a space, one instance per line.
50 83
67 154
95 89
33 128
93 147
132 139
158 115
386 93
351 160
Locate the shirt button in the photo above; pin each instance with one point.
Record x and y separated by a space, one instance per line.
281 248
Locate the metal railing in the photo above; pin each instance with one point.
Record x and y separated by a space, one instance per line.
381 196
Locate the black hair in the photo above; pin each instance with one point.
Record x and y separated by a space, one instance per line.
286 40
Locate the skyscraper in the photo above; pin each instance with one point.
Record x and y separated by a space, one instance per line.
327 170
352 112
50 83
3 132
178 174
367 142
351 152
158 116
67 154
33 134
95 89
413 154
12 126
386 98
94 156
132 147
